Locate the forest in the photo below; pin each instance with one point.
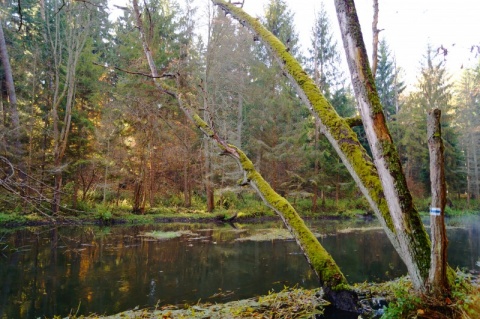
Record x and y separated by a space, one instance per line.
88 128
141 114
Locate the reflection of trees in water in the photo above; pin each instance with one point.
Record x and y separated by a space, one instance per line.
108 270
464 246
365 255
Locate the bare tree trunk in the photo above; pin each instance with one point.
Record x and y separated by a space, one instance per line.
476 185
410 233
12 97
437 279
187 200
209 189
375 33
240 120
468 177
105 174
207 114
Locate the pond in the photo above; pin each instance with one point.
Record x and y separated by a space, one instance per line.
83 270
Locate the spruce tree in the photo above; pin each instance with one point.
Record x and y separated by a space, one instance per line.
389 86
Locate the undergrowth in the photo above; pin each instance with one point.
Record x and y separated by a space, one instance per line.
462 303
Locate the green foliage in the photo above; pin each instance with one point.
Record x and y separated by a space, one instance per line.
468 295
434 90
387 81
405 301
103 213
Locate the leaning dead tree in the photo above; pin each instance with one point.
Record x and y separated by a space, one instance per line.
332 280
381 180
414 244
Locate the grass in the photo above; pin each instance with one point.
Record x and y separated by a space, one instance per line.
228 203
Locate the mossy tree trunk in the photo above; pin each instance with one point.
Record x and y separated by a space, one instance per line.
412 237
437 279
382 183
331 278
336 129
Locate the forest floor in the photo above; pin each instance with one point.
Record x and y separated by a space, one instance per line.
308 303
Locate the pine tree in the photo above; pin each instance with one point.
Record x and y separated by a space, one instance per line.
324 169
468 104
273 116
389 86
434 90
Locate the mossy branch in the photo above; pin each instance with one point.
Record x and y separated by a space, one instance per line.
354 121
319 259
335 128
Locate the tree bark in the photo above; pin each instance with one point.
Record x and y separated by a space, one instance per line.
475 163
375 33
12 97
411 235
437 279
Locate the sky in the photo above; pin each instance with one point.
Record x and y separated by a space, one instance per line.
408 27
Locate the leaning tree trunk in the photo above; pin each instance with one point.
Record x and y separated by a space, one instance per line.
331 278
411 235
352 153
437 279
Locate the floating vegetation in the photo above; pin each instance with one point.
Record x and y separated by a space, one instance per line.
165 235
267 235
221 294
270 234
358 229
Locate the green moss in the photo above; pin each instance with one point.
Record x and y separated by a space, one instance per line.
320 260
344 139
337 127
413 224
201 124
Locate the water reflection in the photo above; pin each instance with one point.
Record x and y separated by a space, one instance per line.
107 270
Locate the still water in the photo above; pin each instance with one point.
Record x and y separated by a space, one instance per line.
83 270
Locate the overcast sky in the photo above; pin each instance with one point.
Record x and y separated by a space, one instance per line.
408 26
